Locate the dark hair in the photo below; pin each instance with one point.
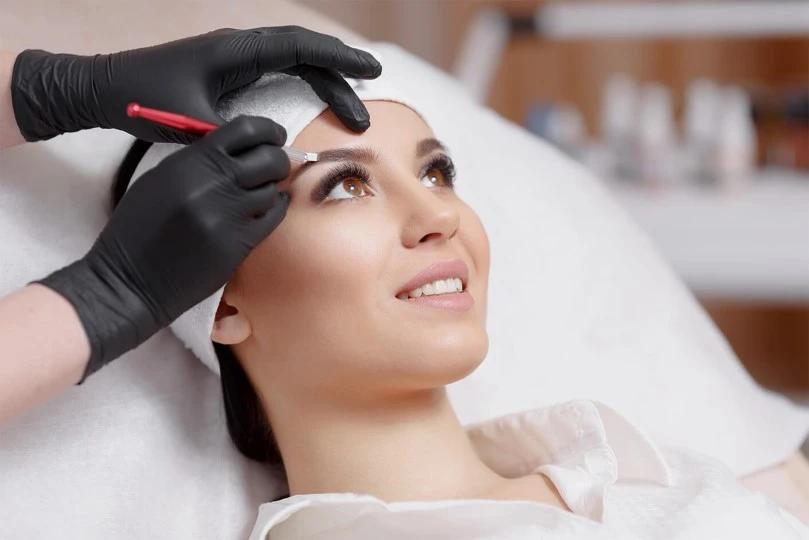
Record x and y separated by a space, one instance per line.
247 422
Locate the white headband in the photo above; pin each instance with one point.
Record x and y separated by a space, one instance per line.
292 103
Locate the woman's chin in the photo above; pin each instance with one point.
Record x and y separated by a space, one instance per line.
448 358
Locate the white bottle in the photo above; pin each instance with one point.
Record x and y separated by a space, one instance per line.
656 138
735 156
618 113
700 129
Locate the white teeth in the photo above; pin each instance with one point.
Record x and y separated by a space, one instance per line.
439 286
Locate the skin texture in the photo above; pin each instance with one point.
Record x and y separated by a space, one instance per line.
352 378
9 132
38 365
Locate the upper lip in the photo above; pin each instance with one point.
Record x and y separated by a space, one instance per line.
454 268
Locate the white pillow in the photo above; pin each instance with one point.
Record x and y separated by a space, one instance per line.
580 306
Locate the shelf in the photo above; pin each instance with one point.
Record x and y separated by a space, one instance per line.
752 245
577 20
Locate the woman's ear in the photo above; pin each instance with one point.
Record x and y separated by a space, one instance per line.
230 325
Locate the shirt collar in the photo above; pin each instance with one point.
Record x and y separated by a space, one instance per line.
582 446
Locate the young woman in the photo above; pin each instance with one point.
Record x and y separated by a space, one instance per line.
338 334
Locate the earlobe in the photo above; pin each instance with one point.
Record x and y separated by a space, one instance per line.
230 325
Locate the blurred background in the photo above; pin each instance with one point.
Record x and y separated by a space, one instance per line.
695 114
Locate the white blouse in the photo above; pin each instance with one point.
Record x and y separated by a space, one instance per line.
615 481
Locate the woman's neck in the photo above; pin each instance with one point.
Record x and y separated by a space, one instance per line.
409 448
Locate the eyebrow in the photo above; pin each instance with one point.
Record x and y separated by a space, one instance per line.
365 154
426 146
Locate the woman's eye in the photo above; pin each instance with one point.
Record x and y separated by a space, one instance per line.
348 188
435 177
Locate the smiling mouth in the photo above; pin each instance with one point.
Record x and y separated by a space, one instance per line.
442 285
448 294
438 287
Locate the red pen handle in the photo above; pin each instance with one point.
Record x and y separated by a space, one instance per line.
172 120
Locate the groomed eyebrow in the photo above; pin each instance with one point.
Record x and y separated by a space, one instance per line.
426 146
366 154
363 154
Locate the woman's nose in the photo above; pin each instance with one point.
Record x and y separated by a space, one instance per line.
429 216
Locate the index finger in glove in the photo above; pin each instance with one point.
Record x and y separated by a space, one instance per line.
334 90
259 165
285 47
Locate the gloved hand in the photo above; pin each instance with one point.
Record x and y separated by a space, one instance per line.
177 236
58 93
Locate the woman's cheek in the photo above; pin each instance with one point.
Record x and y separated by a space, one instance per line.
474 235
330 249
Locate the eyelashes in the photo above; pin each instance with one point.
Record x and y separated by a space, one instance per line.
339 174
440 163
443 164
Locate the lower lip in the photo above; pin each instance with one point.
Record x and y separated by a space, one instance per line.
462 301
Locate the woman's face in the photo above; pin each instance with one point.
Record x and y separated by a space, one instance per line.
313 311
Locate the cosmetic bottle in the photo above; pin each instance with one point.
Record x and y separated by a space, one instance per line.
618 113
700 131
656 140
736 141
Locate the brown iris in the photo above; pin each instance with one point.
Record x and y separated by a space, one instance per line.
354 186
436 177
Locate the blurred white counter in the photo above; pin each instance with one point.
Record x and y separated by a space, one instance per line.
749 246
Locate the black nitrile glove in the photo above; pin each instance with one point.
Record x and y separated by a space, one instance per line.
177 236
58 93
